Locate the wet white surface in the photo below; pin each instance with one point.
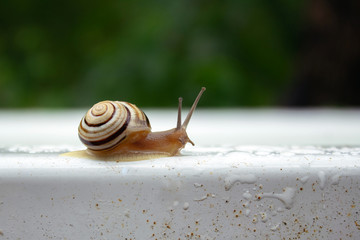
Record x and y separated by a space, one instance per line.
265 174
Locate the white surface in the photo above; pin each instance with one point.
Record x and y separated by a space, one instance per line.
207 127
223 191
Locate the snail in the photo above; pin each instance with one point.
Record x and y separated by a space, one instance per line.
116 130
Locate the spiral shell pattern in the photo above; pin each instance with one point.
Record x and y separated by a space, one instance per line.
108 123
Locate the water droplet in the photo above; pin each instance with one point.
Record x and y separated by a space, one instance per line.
261 153
287 197
303 180
232 179
175 203
287 154
279 209
247 195
247 212
272 210
186 206
322 179
275 227
335 179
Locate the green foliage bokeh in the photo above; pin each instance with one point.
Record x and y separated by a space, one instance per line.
75 53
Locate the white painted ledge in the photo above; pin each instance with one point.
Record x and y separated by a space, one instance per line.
253 174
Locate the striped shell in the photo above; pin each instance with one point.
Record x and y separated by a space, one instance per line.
108 123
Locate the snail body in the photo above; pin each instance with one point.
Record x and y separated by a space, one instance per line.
115 130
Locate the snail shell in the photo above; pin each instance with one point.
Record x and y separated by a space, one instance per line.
108 123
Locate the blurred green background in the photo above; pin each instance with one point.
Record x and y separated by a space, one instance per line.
61 54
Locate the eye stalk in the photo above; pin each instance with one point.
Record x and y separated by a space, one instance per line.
178 125
188 117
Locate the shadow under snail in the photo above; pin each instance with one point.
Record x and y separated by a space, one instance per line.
114 130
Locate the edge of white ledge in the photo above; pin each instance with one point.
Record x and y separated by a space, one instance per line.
228 157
